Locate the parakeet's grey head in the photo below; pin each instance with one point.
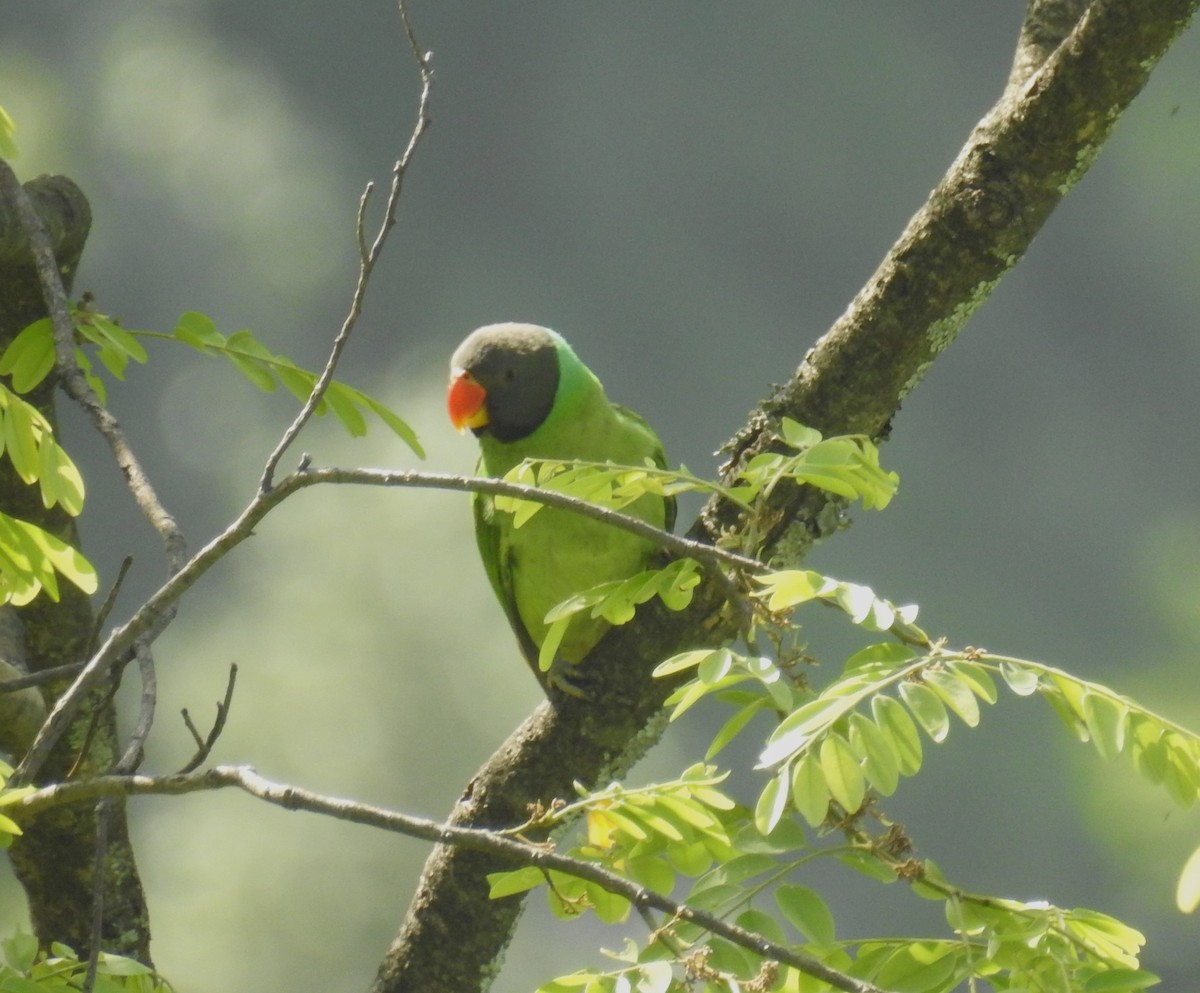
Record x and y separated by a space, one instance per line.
503 380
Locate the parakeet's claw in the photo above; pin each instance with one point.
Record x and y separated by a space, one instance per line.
561 677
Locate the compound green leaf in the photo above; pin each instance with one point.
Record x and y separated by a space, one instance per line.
772 802
894 721
807 912
843 774
880 762
810 794
955 694
1106 720
927 708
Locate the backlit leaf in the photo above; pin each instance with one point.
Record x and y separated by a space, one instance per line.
1106 721
810 794
806 912
843 774
894 721
927 708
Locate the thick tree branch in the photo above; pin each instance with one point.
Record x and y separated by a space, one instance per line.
1021 160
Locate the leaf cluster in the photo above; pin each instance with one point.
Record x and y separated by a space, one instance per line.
616 601
30 357
9 828
830 757
31 558
653 833
26 970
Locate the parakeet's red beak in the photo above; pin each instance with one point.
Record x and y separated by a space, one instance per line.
465 401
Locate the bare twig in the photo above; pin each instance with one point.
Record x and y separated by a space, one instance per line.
131 759
110 601
508 848
367 258
104 811
204 746
41 677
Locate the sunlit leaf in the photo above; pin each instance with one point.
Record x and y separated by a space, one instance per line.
955 694
1187 890
1022 681
501 884
927 708
894 720
877 750
842 772
806 912
772 802
810 794
1106 721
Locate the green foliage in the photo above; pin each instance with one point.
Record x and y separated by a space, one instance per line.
828 759
266 370
9 828
27 438
8 144
26 970
655 832
32 559
846 466
30 357
617 600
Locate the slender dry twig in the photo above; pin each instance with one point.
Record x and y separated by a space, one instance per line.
131 758
104 811
204 746
367 258
110 601
509 848
41 677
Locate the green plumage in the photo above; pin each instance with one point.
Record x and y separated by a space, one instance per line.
556 553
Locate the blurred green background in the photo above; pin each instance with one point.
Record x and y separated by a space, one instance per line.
692 193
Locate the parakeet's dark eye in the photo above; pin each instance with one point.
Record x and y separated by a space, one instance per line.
510 374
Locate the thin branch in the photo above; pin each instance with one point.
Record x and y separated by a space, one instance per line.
477 839
41 677
204 746
104 812
110 601
367 258
131 759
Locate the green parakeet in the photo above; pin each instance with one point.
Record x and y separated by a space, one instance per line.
524 393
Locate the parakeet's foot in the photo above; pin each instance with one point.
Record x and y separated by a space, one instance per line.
562 676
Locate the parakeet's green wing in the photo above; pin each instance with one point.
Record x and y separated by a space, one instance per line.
497 558
659 456
498 566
